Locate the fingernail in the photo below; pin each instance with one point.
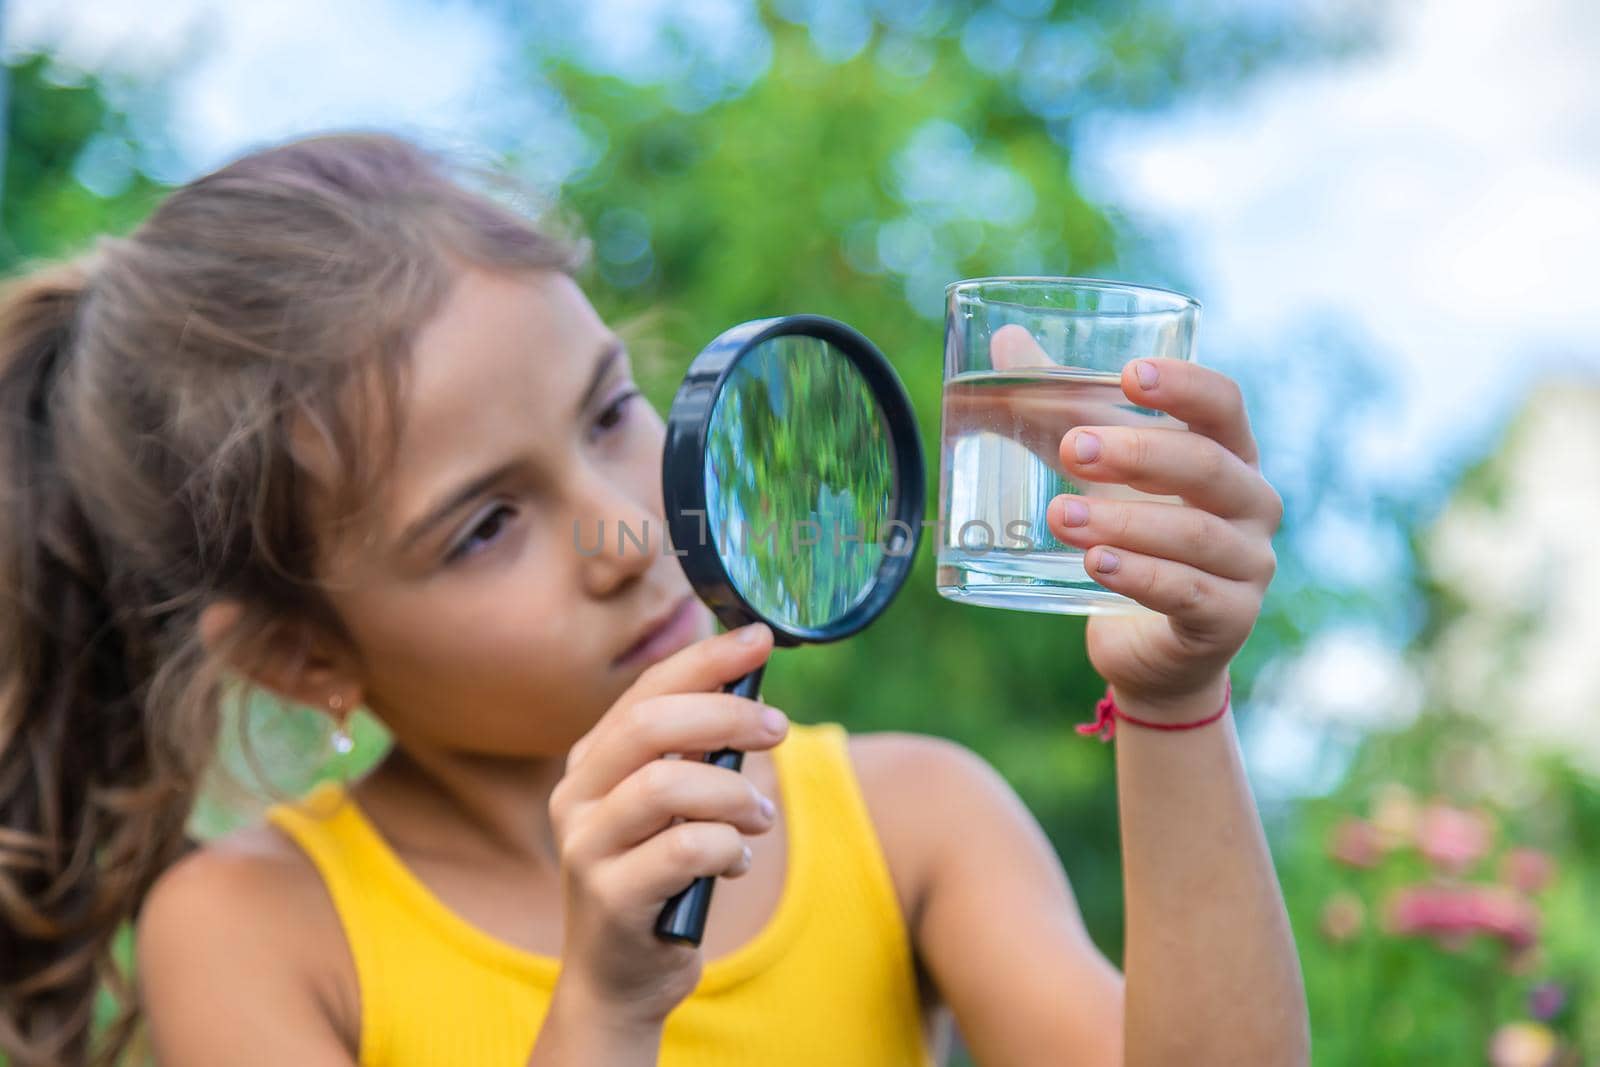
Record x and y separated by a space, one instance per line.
747 856
1147 374
1086 447
767 808
749 635
1107 563
774 720
1077 513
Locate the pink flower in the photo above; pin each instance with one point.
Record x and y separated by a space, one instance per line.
1453 840
1355 842
1527 869
1342 917
1522 1045
1450 914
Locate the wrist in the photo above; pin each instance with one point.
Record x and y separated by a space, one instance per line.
579 1030
1174 708
580 1005
1184 712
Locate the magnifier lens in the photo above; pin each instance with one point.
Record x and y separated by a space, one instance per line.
800 480
795 444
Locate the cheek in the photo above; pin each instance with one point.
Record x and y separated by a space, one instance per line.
478 661
488 625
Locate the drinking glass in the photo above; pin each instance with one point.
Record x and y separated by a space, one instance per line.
1026 360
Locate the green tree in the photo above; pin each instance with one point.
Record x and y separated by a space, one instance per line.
62 131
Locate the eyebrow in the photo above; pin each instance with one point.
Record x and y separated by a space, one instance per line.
610 353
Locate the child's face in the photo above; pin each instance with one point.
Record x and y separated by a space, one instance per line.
479 622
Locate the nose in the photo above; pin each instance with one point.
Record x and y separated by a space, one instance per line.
616 535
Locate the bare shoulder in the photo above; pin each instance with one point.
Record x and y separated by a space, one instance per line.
244 916
901 773
993 920
918 788
895 751
255 875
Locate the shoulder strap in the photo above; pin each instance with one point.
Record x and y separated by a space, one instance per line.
329 830
843 836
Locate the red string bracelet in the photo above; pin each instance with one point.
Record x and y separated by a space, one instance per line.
1106 714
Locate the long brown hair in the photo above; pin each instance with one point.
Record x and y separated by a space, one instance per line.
148 394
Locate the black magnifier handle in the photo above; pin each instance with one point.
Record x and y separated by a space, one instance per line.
683 918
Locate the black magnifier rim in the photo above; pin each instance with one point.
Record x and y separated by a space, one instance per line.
684 483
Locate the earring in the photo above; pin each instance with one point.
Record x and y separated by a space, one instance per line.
342 741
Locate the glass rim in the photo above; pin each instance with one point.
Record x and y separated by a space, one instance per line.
1185 302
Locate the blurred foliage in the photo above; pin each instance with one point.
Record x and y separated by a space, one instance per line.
60 131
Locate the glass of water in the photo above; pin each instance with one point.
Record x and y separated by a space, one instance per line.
1026 360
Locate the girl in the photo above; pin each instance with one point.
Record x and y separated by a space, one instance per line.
324 423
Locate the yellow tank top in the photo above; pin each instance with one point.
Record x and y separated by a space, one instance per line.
829 980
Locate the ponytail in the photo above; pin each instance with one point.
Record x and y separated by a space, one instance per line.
150 403
85 820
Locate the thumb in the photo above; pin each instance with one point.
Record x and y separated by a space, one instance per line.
1012 347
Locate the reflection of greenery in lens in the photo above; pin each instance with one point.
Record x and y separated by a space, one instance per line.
797 452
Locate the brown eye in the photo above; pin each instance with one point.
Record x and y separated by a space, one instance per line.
614 414
484 532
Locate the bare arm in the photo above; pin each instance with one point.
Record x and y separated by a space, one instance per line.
1212 975
1211 966
1211 971
577 1032
992 916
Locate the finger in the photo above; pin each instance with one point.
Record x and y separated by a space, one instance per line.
669 861
1033 418
1207 401
633 735
1012 347
1018 411
649 799
1169 462
1170 531
1200 604
705 666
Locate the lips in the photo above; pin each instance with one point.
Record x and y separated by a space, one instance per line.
657 631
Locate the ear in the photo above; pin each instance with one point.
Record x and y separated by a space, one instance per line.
290 660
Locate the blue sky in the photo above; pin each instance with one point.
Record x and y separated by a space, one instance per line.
258 72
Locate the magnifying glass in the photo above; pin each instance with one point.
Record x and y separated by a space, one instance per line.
793 483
